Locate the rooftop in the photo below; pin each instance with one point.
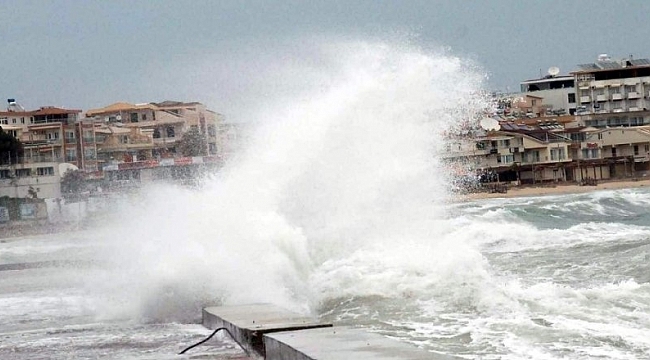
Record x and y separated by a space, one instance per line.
606 64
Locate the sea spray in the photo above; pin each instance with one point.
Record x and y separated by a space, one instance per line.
339 192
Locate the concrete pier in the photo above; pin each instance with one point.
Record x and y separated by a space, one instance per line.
341 343
279 334
249 323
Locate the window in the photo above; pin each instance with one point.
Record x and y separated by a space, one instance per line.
45 171
600 136
585 93
507 159
557 154
647 148
532 156
69 134
70 155
613 152
144 117
156 133
630 88
616 105
636 150
23 172
124 139
171 132
52 135
5 174
572 98
533 102
134 117
614 90
589 153
22 120
89 154
13 120
4 121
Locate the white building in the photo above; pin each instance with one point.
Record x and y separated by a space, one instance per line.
558 93
23 180
614 93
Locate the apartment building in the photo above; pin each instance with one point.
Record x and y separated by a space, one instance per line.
38 179
614 93
51 134
151 131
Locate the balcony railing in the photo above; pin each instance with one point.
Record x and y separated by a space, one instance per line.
585 99
617 96
633 95
32 159
601 98
88 140
167 140
71 140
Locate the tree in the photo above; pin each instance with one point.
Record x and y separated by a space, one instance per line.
11 149
72 182
193 143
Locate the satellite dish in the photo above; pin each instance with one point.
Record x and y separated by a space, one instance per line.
489 124
553 70
118 117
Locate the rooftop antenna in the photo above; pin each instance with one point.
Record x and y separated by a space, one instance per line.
553 71
489 124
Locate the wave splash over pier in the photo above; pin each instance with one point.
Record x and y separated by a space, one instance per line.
337 192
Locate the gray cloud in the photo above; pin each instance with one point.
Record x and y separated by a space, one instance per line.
89 53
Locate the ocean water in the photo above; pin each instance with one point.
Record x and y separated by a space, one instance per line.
557 277
337 206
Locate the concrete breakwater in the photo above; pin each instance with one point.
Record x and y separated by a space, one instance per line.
271 332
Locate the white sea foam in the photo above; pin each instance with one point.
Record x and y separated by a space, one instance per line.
337 193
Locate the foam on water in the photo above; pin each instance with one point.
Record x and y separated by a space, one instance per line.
337 193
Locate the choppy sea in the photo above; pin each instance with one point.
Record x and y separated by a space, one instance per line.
555 277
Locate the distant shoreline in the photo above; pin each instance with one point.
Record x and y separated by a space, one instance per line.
557 189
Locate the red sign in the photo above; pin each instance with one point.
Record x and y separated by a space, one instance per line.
183 161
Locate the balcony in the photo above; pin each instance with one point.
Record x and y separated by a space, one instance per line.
601 98
88 140
633 95
602 111
619 110
585 99
617 96
635 109
167 140
70 140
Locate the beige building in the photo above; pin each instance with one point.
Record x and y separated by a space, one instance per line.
151 131
42 179
614 93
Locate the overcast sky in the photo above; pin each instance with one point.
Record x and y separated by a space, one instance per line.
88 54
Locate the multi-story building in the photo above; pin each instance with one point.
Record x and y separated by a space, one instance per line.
38 179
45 133
614 93
558 93
151 131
